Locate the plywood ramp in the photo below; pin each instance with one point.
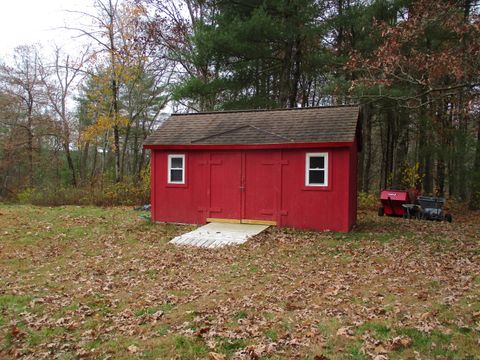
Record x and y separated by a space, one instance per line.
219 234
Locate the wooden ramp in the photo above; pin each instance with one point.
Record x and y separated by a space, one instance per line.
215 235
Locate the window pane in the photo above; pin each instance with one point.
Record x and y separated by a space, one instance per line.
316 177
177 163
176 175
317 162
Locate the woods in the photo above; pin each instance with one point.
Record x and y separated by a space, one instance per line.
72 125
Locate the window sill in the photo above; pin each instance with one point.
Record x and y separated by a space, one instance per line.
316 188
181 186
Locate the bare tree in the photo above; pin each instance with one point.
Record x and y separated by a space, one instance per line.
21 81
60 79
104 31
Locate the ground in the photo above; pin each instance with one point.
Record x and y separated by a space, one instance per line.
85 282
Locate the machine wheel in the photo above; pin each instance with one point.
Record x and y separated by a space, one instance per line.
448 217
418 215
381 211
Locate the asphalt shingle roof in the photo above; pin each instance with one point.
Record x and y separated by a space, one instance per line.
299 125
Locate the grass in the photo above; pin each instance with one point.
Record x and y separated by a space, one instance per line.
165 308
188 348
87 280
14 303
380 330
35 338
240 315
434 344
272 335
229 346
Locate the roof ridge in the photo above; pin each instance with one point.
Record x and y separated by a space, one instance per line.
238 128
220 133
265 110
271 133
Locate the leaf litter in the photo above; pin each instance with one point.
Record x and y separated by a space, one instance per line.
102 283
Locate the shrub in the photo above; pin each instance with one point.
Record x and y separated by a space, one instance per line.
367 200
124 193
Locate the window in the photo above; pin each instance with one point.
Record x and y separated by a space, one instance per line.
176 169
316 169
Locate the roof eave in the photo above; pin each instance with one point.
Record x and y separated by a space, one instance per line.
311 145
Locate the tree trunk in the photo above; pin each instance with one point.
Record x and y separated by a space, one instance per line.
296 74
114 89
124 150
424 153
400 157
30 158
71 167
83 169
367 149
94 166
284 86
389 146
474 203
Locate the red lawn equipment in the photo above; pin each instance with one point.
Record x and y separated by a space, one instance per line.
409 204
392 201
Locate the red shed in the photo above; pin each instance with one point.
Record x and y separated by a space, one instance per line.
289 167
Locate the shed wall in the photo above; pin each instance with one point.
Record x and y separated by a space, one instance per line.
257 184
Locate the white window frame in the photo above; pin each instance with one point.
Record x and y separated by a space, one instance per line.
176 156
307 168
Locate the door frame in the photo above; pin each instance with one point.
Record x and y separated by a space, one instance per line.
243 190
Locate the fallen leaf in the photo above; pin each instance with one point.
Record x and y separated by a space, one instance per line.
132 349
216 356
345 331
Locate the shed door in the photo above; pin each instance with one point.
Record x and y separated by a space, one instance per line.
243 186
261 176
225 182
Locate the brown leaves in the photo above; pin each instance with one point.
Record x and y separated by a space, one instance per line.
345 331
285 294
258 351
320 357
400 342
216 356
16 332
133 349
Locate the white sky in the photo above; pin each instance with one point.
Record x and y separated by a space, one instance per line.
25 22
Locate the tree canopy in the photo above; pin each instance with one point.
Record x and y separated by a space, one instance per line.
412 65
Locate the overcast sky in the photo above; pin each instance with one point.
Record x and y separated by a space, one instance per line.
38 21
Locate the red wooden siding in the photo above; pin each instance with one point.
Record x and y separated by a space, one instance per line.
257 185
225 179
261 186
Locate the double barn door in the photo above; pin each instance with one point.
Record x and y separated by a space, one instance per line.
244 186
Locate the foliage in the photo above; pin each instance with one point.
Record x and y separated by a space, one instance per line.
412 66
367 200
110 194
411 178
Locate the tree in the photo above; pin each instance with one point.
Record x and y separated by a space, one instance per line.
21 82
427 64
245 54
122 36
59 80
